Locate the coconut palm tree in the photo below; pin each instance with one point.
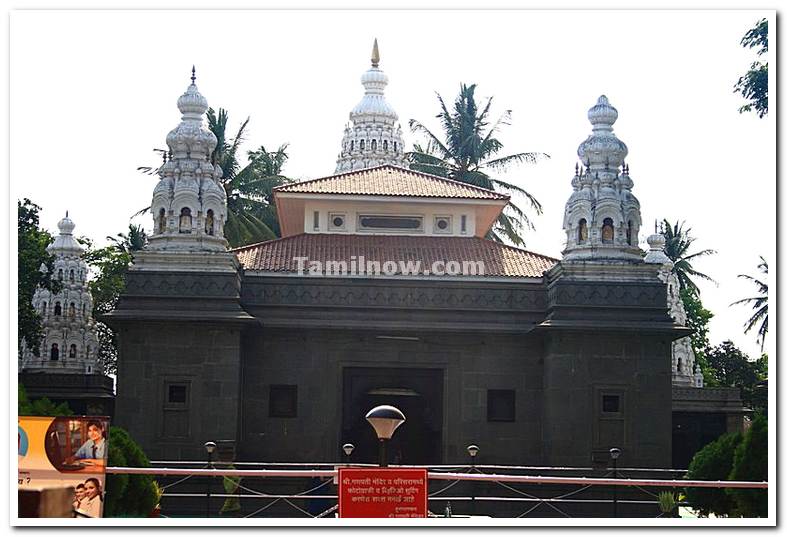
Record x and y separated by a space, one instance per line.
678 244
759 304
468 154
251 214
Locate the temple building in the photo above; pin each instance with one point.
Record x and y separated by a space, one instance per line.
383 289
66 367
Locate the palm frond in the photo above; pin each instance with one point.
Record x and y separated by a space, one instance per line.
520 215
466 151
141 212
518 158
506 227
759 304
514 188
433 141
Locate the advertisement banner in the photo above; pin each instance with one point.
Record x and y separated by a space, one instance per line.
382 493
65 451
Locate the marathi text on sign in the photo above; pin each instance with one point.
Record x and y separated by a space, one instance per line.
382 493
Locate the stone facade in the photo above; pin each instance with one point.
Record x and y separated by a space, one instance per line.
469 338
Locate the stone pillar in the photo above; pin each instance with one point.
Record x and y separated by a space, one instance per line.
607 365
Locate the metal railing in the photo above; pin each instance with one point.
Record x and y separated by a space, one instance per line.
554 492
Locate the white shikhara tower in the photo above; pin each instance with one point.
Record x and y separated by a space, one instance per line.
602 217
189 204
69 343
373 137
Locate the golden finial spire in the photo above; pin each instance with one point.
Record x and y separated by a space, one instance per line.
375 54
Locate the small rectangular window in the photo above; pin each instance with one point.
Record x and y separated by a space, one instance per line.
500 405
316 220
610 403
177 393
283 401
464 223
175 420
368 222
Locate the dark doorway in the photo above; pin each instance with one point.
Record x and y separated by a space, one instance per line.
691 431
418 393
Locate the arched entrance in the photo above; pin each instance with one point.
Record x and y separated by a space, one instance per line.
418 393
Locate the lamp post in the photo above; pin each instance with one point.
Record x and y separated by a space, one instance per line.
348 450
210 447
472 450
614 453
384 419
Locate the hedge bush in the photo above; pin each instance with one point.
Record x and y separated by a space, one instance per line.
751 464
128 495
713 463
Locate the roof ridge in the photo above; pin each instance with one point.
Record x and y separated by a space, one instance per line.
517 248
456 182
407 170
255 244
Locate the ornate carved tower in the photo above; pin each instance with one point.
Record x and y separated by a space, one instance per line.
608 333
187 285
602 217
69 343
373 137
189 204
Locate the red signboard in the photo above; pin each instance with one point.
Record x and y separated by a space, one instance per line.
382 492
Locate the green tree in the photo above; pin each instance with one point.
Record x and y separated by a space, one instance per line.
133 241
128 495
698 319
110 265
753 86
468 154
251 213
731 367
761 366
713 463
31 255
759 304
751 464
678 243
39 407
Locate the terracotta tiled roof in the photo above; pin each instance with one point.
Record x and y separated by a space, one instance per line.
499 260
391 181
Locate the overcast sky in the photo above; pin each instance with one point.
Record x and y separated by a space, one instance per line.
92 93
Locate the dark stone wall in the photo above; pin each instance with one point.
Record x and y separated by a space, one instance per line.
314 360
180 329
91 395
231 344
497 306
203 358
580 369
